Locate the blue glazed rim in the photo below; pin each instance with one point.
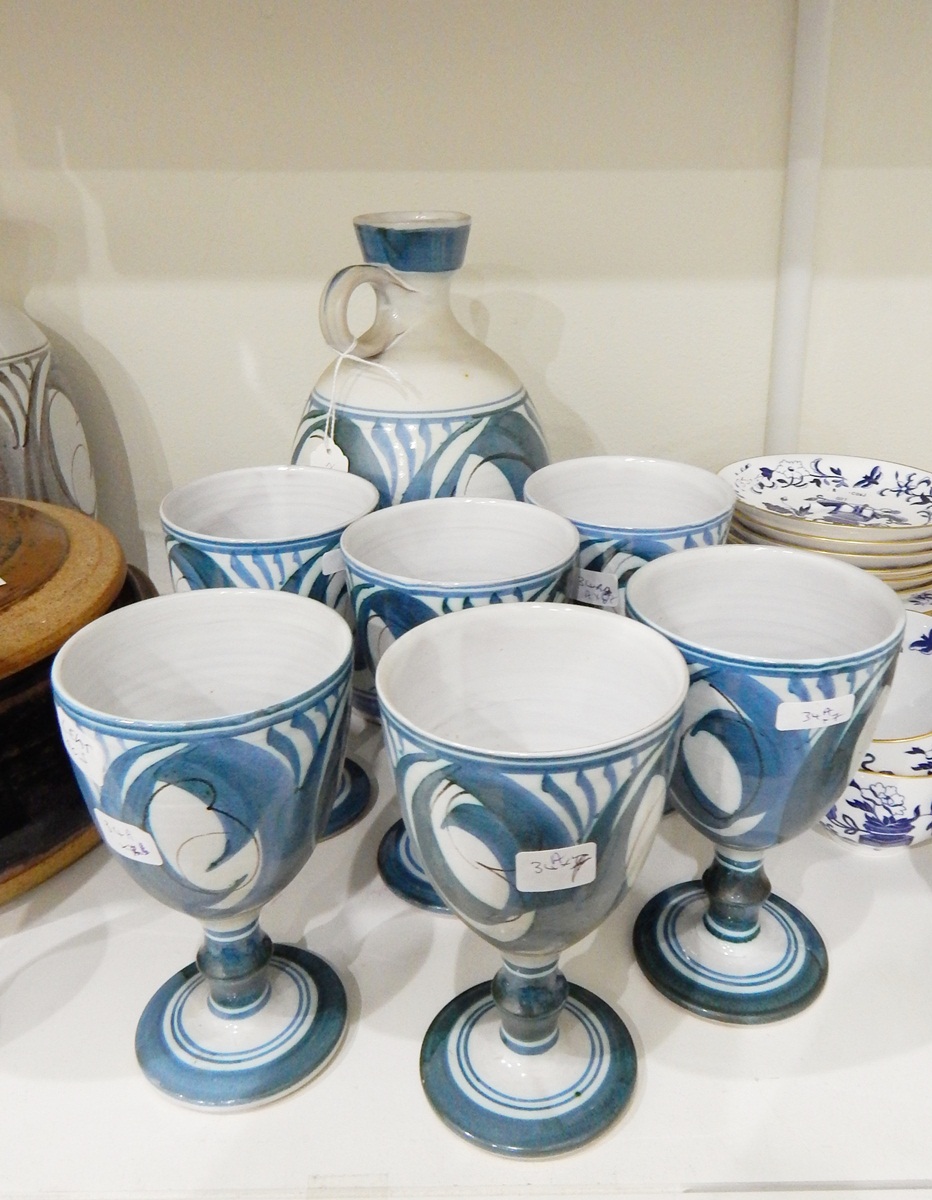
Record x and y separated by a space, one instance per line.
252 545
253 548
516 399
529 762
532 761
697 654
611 533
431 241
458 588
415 587
190 729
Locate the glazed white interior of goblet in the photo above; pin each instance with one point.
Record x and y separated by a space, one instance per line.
268 504
200 656
532 679
764 603
460 541
627 493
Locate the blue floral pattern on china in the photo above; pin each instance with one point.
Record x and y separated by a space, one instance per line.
877 815
419 456
471 814
847 492
749 784
222 816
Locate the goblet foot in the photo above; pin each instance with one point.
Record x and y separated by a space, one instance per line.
528 1104
774 974
353 799
198 1055
402 871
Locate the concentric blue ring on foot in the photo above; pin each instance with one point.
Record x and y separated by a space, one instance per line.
203 1058
528 1105
773 975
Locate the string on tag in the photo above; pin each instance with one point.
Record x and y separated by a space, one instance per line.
327 453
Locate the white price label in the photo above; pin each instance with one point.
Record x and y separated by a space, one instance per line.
555 870
85 750
128 840
814 714
598 588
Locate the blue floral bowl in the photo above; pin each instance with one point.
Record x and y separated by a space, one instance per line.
883 811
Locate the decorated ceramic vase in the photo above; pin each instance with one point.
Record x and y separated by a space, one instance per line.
43 447
416 404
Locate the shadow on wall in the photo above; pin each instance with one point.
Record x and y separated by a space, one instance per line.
535 330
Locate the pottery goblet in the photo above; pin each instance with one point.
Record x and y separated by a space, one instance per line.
413 562
531 746
789 655
273 527
628 511
206 731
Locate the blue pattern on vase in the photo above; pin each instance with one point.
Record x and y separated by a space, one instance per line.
745 782
420 456
475 805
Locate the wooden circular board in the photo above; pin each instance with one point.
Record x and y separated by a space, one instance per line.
62 570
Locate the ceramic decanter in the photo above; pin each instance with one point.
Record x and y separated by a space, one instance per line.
416 404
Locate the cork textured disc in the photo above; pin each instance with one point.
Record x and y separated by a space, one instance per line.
60 570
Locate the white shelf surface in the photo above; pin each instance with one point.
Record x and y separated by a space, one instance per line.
836 1099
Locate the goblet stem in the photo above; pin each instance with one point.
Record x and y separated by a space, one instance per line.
736 887
529 998
727 948
234 960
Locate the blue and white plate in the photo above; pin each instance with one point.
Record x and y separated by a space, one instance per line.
864 499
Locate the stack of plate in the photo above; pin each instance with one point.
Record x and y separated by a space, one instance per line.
874 514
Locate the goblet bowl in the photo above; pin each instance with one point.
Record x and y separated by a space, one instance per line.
416 561
206 731
531 746
278 528
789 654
629 510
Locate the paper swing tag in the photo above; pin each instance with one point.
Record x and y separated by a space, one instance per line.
324 452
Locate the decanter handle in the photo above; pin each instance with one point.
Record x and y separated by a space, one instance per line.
334 303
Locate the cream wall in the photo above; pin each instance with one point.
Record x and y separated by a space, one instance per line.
179 179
